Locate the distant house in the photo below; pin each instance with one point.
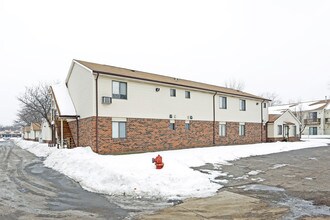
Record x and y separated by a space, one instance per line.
282 126
26 132
46 132
35 131
314 116
117 110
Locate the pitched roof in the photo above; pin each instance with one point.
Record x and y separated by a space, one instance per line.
134 74
63 100
35 126
273 118
302 106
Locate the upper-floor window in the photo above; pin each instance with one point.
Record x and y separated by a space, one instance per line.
187 94
265 105
313 115
242 105
119 90
279 129
223 102
173 92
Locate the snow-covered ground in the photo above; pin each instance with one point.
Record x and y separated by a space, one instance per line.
135 174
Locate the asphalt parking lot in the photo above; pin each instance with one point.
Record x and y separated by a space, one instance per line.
288 185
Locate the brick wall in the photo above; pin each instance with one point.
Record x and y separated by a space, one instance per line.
154 134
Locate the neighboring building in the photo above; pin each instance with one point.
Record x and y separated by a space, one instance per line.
314 116
46 132
282 126
26 132
35 132
117 110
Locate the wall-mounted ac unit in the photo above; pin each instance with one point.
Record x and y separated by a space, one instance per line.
106 100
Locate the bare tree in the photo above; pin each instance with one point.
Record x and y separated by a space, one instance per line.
35 104
300 114
235 84
274 97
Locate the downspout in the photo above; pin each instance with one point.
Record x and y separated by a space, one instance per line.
214 117
97 113
77 123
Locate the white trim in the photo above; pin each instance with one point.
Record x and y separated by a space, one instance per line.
222 123
71 68
172 120
119 119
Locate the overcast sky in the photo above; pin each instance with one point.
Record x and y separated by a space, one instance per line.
272 46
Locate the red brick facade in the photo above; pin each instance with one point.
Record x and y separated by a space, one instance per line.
154 134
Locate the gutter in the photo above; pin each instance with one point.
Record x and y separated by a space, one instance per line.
214 117
97 113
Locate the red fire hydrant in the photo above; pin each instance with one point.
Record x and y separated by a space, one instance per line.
158 162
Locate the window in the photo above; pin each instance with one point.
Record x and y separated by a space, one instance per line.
222 130
119 90
223 102
313 116
294 130
265 105
118 129
242 105
241 130
172 92
187 94
279 129
313 131
172 126
187 126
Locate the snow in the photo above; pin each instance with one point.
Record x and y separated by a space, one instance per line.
63 100
276 166
135 175
304 106
254 172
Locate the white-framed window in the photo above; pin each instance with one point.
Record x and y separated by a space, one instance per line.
173 92
187 94
241 129
222 129
223 102
242 105
172 126
279 129
312 130
187 126
118 129
119 90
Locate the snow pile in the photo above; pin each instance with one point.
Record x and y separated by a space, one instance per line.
135 175
2 140
38 149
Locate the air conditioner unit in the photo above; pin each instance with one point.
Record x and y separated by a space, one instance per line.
106 100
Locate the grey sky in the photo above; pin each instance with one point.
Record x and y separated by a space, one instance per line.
273 46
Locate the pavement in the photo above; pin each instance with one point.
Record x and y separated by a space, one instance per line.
28 190
287 185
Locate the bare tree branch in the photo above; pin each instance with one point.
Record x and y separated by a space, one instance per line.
35 105
235 84
274 97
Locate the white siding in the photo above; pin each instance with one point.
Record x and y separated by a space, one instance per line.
144 102
46 132
286 117
233 113
81 88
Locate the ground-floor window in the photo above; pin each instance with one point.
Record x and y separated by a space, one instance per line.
294 131
313 131
241 129
172 126
279 130
222 130
187 126
118 129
